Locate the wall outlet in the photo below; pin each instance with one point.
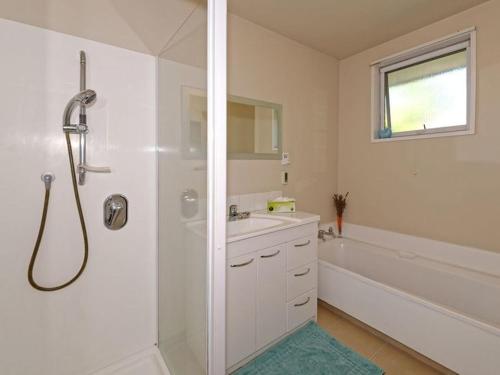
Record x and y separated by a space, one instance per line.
285 158
284 177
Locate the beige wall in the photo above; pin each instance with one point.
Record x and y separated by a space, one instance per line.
266 66
262 65
443 188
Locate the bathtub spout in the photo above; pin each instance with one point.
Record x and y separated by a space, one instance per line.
322 233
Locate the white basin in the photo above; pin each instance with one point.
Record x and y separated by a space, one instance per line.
252 224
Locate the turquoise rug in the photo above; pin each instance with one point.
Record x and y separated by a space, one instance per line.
309 351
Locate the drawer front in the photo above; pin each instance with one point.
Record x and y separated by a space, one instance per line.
301 280
301 309
301 252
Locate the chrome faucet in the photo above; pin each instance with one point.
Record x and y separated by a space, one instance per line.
233 212
322 233
235 215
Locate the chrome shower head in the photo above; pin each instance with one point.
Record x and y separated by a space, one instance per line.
85 98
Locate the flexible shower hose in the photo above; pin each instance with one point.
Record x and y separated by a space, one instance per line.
31 280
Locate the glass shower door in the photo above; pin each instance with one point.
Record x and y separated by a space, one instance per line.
188 205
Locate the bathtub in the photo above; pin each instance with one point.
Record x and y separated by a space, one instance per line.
417 296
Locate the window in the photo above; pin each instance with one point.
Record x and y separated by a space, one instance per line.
425 92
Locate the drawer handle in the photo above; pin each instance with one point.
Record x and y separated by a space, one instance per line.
242 264
303 303
271 255
303 244
302 273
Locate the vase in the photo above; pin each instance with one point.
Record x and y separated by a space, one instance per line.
339 225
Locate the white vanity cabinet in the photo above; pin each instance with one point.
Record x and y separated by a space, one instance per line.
271 289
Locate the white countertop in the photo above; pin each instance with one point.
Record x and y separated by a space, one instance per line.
284 221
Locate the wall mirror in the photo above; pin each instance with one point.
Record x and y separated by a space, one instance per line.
254 128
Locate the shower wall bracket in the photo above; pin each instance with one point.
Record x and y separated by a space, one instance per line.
82 130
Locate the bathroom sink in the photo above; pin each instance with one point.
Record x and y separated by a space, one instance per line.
255 224
252 224
259 223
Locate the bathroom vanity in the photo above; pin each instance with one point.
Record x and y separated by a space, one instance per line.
271 281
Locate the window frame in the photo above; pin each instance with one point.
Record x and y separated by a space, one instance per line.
461 41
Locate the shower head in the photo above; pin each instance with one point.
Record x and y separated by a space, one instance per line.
85 98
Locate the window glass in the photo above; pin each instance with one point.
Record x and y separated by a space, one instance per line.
428 95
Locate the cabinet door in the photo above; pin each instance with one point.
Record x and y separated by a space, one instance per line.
240 320
271 294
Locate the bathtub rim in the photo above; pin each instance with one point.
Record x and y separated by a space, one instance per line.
478 260
339 241
415 299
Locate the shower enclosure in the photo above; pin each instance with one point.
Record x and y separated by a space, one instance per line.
151 298
191 180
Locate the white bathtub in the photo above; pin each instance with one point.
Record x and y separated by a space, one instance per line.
448 313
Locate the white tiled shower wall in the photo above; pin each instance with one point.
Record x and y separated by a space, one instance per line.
252 202
110 312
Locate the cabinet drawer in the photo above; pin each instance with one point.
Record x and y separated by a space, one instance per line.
301 280
301 309
301 252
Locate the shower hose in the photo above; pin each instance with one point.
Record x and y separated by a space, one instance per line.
31 280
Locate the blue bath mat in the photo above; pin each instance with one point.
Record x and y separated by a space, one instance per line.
309 351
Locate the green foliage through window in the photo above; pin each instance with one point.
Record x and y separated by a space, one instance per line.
427 95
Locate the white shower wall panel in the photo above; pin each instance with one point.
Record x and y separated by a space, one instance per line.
110 312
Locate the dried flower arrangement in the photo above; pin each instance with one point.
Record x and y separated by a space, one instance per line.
340 202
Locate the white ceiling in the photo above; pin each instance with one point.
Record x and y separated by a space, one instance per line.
140 25
341 28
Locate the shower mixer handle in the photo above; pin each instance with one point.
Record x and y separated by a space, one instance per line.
114 209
